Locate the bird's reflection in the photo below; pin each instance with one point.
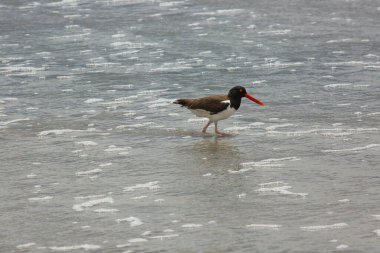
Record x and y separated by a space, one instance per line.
212 154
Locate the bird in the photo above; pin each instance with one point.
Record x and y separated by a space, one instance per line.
217 107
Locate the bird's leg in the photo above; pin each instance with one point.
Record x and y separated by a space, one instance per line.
218 132
206 126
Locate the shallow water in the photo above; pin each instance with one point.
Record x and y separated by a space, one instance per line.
96 158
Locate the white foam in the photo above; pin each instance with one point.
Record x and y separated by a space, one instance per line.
264 226
118 35
123 246
102 64
113 148
124 86
324 130
75 247
324 227
63 131
171 4
151 92
161 237
146 233
140 197
377 232
337 85
268 163
145 124
90 203
246 127
338 134
93 100
227 12
32 175
341 246
9 99
36 199
86 143
71 37
89 197
105 164
25 245
346 63
106 210
123 101
20 70
278 64
373 114
339 41
170 68
271 128
161 102
133 45
372 67
137 240
192 225
275 32
88 172
351 149
281 190
197 120
150 186
272 183
4 123
133 221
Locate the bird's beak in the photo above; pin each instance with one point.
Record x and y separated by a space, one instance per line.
249 96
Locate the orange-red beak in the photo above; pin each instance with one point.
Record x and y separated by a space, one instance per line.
249 96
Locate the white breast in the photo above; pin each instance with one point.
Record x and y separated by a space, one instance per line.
223 114
215 117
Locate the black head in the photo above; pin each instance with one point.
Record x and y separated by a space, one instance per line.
237 92
235 95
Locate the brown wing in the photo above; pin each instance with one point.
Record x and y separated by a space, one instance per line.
212 104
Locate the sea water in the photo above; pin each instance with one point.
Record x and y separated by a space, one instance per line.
96 158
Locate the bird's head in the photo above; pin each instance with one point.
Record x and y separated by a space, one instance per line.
238 92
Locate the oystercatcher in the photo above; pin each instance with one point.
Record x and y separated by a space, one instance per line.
217 107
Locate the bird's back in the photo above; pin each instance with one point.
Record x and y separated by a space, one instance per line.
212 104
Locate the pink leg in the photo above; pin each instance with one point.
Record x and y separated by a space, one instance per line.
206 126
218 132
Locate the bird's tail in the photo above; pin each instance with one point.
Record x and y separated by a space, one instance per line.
182 102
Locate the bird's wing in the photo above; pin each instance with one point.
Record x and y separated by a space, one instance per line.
213 104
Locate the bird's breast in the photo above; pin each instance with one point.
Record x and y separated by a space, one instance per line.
224 114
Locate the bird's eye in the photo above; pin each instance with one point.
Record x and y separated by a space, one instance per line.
241 90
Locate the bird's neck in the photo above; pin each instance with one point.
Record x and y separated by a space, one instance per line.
235 102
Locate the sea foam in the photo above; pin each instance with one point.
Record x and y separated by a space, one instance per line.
351 149
85 247
150 186
324 227
90 203
133 221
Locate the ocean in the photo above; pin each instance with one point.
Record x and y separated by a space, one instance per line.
96 157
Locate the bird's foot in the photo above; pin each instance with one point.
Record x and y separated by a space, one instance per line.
222 134
206 134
